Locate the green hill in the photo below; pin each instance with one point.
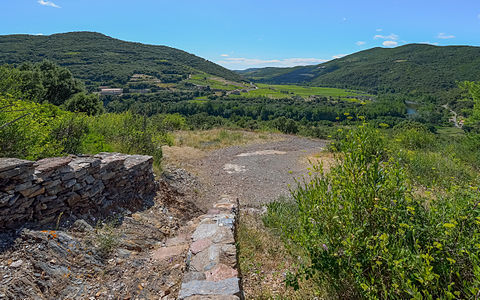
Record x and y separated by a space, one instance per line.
99 60
409 68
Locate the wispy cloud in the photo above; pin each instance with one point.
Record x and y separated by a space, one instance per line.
48 3
379 29
224 55
430 43
392 36
445 36
339 56
478 16
360 43
390 44
244 63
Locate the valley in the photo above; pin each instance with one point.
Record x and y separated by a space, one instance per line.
356 178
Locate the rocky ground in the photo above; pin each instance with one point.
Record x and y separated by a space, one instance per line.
142 255
121 258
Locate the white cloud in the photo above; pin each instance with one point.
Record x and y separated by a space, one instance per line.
224 55
429 43
344 19
379 29
390 44
360 43
392 36
48 3
244 63
338 56
444 36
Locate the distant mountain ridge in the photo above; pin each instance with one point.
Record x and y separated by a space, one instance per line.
408 68
99 59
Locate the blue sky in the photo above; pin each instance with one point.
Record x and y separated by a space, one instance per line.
244 34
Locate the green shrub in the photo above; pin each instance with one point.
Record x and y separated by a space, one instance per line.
366 236
435 168
127 133
27 129
415 138
81 102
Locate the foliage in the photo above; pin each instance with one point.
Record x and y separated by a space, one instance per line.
98 59
40 82
366 235
407 69
81 102
32 129
107 239
44 130
472 89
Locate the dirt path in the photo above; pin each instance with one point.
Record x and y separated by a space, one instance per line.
454 118
256 173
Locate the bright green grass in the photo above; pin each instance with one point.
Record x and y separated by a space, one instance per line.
450 131
263 92
289 91
306 91
213 83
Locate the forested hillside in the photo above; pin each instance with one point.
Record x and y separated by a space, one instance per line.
410 68
101 60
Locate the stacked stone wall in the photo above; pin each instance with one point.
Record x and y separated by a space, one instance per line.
52 189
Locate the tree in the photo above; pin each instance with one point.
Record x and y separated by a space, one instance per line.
473 91
81 102
58 82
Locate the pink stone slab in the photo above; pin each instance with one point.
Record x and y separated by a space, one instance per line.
221 272
200 245
167 252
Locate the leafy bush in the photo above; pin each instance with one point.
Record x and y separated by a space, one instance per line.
128 133
365 234
30 130
40 82
81 102
33 131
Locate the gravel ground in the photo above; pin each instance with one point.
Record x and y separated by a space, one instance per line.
256 173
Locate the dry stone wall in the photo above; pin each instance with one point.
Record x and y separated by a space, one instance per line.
50 189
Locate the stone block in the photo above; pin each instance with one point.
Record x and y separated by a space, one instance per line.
226 287
221 272
206 259
204 231
89 179
73 198
70 183
33 191
13 163
53 163
67 176
23 186
200 245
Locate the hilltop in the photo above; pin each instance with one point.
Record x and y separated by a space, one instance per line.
98 59
409 68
